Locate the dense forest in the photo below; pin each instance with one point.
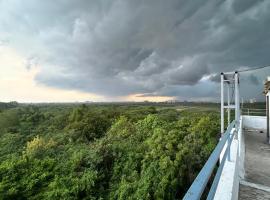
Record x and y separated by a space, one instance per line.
99 152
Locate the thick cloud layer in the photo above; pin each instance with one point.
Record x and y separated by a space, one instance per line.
154 47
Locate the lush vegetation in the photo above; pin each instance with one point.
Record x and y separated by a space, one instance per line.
102 151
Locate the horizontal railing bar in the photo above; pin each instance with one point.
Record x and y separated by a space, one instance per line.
253 112
228 73
230 106
196 189
253 109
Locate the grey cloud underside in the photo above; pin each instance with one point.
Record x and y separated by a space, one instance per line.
154 47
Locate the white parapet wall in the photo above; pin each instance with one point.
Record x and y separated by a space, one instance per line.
254 122
227 188
233 170
228 185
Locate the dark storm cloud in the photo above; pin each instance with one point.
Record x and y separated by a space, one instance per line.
154 47
253 79
243 5
215 78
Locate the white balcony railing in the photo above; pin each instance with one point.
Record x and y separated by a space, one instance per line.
230 152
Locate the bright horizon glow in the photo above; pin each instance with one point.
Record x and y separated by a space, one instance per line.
17 83
139 98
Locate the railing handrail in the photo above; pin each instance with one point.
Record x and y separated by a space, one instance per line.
253 109
198 186
254 112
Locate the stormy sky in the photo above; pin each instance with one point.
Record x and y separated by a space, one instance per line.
114 50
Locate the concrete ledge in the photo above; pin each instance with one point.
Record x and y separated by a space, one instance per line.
229 182
233 171
228 185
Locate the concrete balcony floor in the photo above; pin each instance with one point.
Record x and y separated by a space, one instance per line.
256 184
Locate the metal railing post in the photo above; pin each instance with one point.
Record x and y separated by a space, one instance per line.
229 110
237 116
222 103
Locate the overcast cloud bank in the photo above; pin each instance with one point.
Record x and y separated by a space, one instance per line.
154 47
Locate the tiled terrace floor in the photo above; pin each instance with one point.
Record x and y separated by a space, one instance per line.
257 167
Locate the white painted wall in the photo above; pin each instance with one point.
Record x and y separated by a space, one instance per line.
254 122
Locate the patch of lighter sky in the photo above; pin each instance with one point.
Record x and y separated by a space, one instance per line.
140 97
17 83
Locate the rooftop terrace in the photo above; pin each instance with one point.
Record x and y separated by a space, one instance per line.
240 162
256 181
244 164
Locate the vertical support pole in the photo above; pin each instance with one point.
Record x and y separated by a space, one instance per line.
228 101
238 99
222 103
267 114
237 107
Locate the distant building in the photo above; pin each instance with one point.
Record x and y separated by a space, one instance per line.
252 100
173 101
